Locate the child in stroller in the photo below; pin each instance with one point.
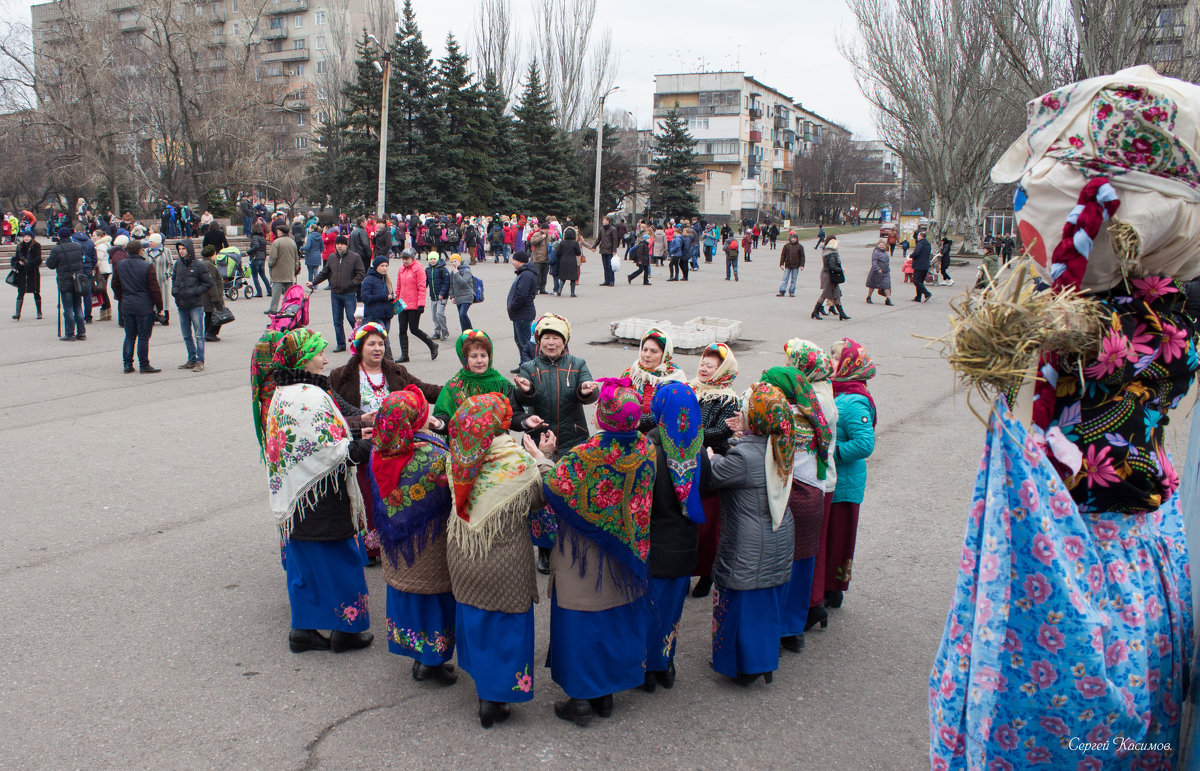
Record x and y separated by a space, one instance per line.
234 274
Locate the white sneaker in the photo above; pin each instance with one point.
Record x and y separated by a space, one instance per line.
949 283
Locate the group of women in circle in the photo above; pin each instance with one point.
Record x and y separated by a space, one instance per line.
757 493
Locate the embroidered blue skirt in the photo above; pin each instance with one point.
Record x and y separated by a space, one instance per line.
543 527
596 653
794 614
496 650
746 630
663 610
326 585
421 626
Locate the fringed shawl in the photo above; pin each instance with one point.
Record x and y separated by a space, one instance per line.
677 413
414 514
501 498
602 491
814 434
718 386
262 386
768 414
308 449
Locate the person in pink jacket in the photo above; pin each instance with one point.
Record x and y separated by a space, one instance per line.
410 287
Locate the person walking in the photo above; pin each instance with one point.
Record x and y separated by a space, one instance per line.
437 280
160 258
376 292
257 254
462 289
791 262
521 308
283 258
410 289
944 254
773 234
66 259
607 242
345 274
731 258
191 280
659 251
820 236
920 263
747 241
313 247
135 285
641 258
832 278
538 244
879 279
570 254
893 238
214 298
27 262
711 238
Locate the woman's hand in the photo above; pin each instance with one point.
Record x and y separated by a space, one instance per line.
368 432
588 388
736 424
437 424
533 449
523 384
534 422
368 417
548 442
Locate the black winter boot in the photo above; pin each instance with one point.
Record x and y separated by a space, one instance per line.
818 312
37 301
20 302
841 313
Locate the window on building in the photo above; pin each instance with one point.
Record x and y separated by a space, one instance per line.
298 71
298 45
320 45
719 98
236 30
274 71
300 121
322 94
321 67
235 8
301 143
299 23
319 18
697 123
275 46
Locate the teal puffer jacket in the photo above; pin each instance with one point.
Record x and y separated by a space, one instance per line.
855 443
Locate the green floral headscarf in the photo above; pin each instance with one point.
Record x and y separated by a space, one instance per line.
466 383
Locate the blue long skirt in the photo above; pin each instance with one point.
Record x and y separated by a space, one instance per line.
543 527
496 650
794 613
746 630
663 610
421 626
597 653
326 585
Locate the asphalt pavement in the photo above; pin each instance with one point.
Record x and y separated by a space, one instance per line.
145 617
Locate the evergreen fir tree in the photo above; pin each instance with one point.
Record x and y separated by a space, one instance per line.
551 188
508 173
674 169
459 169
413 119
356 169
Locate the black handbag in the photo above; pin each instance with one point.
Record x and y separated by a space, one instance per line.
11 278
222 316
81 283
836 275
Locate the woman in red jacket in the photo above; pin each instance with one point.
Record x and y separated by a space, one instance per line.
328 241
410 287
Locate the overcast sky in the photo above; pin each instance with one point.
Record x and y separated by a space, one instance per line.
790 46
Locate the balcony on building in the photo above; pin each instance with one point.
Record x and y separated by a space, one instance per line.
116 6
781 121
296 101
715 158
287 55
755 136
756 111
275 33
696 112
286 6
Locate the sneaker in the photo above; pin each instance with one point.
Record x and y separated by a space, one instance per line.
128 369
949 283
149 370
339 349
81 337
187 365
198 367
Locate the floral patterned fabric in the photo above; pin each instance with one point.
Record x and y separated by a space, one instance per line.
602 489
262 386
307 448
1116 416
466 383
677 413
421 626
809 358
854 368
1068 638
813 432
768 414
414 513
475 424
719 384
618 408
398 418
645 381
326 586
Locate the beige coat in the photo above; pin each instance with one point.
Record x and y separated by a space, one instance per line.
282 258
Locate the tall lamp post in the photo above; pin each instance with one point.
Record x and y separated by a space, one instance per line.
386 69
599 156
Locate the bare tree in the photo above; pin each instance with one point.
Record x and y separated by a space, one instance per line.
577 60
496 45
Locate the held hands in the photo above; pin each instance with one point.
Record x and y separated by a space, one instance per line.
533 422
368 432
737 425
533 449
368 417
547 442
437 424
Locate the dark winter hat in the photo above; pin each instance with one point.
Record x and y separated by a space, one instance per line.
380 260
26 232
64 234
341 240
520 257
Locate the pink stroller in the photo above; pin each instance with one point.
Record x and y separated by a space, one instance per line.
293 310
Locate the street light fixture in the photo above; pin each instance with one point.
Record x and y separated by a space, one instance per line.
386 70
599 156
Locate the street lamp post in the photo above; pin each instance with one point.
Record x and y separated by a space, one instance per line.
599 156
386 69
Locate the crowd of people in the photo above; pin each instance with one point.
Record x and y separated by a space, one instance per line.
464 491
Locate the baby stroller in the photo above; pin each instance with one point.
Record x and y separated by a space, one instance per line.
234 275
293 310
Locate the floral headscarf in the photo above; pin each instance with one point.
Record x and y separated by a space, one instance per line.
402 413
677 413
475 424
813 432
768 414
854 369
466 383
809 358
617 409
643 380
411 488
719 384
262 385
297 348
360 334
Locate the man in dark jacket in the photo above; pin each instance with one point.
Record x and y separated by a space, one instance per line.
791 262
344 272
135 286
190 283
520 305
66 259
215 237
383 239
437 281
920 263
246 209
360 243
607 243
89 268
944 254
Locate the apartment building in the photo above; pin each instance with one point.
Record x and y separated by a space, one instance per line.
293 40
747 137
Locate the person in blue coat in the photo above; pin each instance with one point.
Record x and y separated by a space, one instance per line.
313 246
856 419
377 296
